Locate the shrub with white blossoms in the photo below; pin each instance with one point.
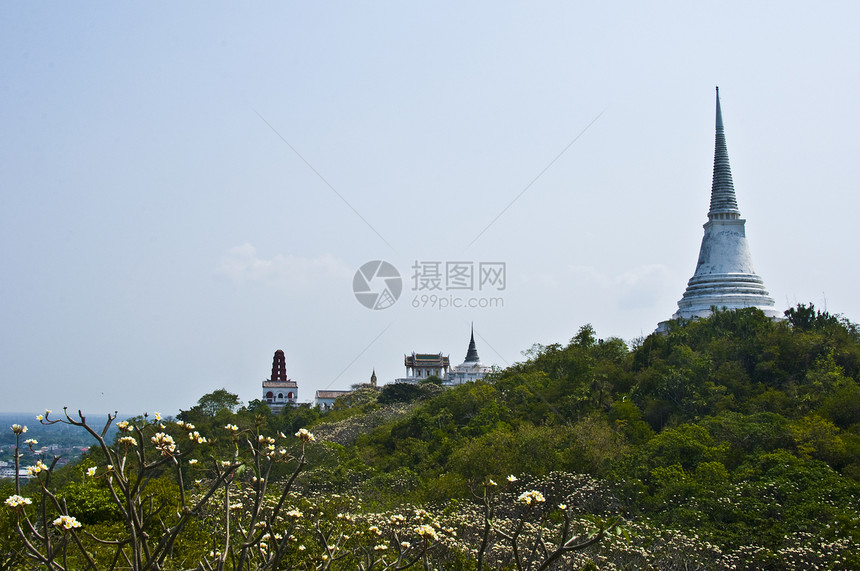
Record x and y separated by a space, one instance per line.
237 515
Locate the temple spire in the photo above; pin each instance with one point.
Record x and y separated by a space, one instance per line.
472 353
724 204
279 367
724 275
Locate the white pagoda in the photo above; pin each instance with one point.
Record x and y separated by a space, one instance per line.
724 276
469 370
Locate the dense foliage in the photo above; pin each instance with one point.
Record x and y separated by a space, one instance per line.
726 443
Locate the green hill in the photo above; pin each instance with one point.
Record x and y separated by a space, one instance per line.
731 442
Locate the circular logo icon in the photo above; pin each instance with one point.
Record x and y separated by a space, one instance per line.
377 285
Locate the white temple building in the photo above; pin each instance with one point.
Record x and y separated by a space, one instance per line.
469 370
724 276
420 366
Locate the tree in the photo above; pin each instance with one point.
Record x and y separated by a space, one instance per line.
216 401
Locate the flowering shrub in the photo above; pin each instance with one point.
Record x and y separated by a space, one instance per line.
243 518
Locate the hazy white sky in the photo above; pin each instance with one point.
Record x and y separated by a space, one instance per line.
187 187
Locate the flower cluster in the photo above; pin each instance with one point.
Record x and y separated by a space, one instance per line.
305 436
531 497
164 442
18 429
16 501
195 437
426 532
128 441
66 522
39 467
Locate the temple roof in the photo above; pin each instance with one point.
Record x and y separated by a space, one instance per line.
426 360
723 200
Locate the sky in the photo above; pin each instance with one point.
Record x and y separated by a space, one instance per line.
187 187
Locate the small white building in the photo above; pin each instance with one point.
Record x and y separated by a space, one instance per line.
325 399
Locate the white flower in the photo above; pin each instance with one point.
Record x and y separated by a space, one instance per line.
157 416
491 483
397 519
66 522
31 442
16 501
512 478
164 442
426 531
531 497
39 467
91 471
562 507
305 436
301 547
193 461
123 425
18 429
232 427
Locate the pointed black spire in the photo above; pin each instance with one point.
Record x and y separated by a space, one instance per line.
724 204
472 353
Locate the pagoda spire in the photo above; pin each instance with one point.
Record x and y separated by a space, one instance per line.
472 353
724 204
724 275
279 367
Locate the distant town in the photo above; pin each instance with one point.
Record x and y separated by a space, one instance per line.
43 442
